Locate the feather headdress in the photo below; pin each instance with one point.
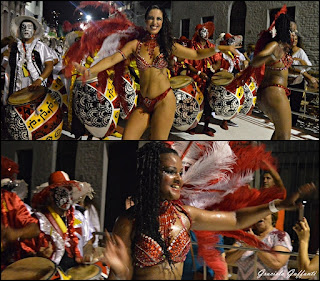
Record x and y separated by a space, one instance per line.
217 177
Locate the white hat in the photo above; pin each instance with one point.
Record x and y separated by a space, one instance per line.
15 26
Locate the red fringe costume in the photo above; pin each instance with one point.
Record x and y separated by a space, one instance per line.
217 177
14 214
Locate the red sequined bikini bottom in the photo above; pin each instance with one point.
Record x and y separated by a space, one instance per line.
149 104
288 92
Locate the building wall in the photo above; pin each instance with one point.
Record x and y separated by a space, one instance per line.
10 10
306 17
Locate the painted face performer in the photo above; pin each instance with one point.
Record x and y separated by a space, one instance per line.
30 60
155 229
152 52
202 70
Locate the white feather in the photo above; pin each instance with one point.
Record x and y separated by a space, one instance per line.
111 44
217 159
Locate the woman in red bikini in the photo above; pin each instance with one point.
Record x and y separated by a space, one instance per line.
273 92
156 229
157 102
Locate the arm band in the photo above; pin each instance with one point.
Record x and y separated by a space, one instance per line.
272 207
122 54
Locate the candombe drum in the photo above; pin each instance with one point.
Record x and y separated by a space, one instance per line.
228 101
34 115
189 102
131 97
97 109
33 268
85 272
60 93
249 98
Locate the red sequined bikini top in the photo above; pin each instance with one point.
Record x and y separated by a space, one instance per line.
159 62
286 59
148 252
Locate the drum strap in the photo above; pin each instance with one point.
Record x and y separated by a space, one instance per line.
13 64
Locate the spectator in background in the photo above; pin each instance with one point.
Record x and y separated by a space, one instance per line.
304 263
269 265
272 178
299 76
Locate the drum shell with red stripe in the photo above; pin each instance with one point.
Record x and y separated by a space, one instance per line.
37 119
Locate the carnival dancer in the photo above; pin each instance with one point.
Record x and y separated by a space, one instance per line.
273 92
155 229
152 51
17 224
30 60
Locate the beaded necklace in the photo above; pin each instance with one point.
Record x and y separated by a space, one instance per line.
151 43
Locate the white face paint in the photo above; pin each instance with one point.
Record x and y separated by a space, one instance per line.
204 33
26 30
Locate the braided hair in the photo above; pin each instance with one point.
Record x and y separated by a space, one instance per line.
165 38
147 197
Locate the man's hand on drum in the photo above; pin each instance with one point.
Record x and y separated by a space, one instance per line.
82 69
46 252
36 84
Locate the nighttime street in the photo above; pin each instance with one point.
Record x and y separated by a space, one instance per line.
159 140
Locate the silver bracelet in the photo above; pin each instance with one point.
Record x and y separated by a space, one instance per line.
272 207
273 57
199 72
41 78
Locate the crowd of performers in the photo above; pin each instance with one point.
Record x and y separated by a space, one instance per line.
90 79
203 186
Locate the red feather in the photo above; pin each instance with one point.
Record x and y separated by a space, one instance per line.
8 168
105 6
91 42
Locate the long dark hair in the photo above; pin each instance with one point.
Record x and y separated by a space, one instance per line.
282 26
165 38
147 196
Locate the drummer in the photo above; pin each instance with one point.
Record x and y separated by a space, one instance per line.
228 62
16 221
202 70
37 56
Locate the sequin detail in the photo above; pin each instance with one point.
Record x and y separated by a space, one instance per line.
159 62
148 252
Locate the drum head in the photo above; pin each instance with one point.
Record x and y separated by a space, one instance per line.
25 96
84 272
222 78
34 268
181 81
